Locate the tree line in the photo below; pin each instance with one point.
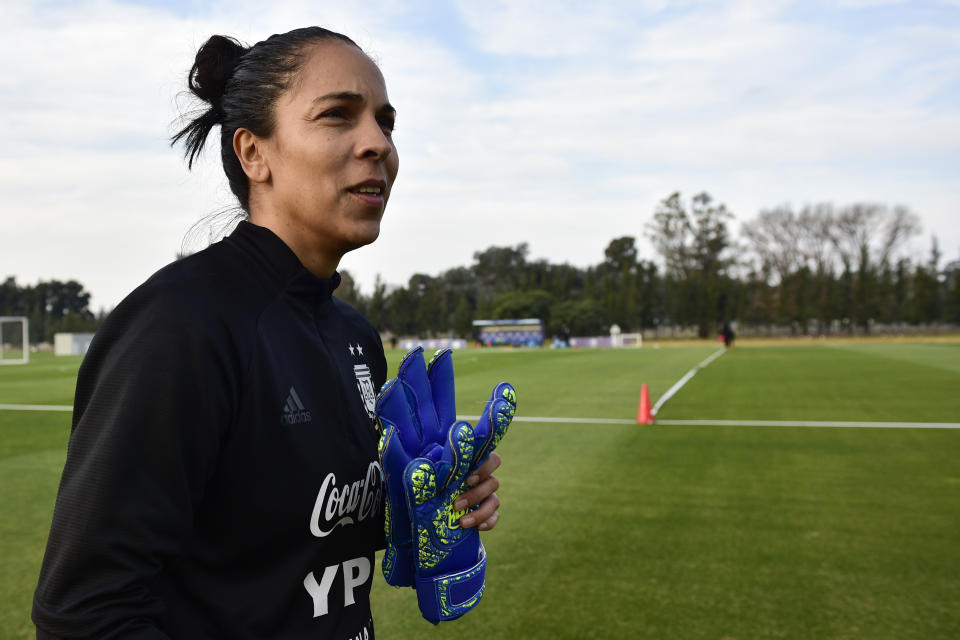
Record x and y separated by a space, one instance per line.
50 307
817 270
821 269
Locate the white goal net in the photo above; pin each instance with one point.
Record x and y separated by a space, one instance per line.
14 340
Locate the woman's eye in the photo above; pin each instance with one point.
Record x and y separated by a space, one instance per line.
336 112
387 124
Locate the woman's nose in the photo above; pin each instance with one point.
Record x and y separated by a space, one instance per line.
373 142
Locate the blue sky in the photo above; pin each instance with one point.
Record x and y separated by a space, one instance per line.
560 124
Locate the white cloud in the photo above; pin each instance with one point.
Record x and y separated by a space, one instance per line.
550 123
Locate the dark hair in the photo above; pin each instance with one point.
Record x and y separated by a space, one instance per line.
242 85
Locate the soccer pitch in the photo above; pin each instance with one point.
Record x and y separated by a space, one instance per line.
663 531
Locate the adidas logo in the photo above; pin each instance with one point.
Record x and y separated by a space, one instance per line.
293 410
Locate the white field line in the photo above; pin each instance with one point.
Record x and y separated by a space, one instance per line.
682 381
680 423
811 423
35 407
739 423
559 420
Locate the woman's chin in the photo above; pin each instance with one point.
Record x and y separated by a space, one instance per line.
363 234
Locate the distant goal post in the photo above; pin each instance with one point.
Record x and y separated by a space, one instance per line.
14 340
620 339
627 340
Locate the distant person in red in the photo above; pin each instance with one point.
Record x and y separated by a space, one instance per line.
727 334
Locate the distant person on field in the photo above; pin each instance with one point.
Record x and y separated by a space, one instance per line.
727 334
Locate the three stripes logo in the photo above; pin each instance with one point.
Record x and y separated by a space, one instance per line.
293 410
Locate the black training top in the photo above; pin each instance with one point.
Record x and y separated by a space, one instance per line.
222 477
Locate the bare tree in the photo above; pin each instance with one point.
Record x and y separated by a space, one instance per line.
776 236
901 224
816 224
865 230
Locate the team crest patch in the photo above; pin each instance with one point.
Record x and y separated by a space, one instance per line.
365 387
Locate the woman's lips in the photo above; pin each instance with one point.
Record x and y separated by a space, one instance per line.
369 199
370 192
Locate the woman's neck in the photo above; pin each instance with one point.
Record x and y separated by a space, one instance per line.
319 260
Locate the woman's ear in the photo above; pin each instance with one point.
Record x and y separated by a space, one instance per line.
247 146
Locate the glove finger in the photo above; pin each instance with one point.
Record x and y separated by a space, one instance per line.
394 409
413 373
440 375
396 513
394 457
493 423
420 482
457 456
393 461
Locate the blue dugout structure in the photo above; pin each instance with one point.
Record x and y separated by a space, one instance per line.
523 332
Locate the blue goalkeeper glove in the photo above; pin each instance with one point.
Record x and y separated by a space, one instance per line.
450 561
417 413
410 427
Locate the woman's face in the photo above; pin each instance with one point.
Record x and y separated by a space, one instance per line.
331 156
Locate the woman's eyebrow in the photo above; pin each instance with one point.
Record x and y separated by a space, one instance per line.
352 97
340 95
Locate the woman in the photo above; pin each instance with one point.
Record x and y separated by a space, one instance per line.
222 477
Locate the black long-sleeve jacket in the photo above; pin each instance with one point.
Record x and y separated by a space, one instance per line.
222 477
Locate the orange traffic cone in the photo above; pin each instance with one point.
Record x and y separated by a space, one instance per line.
643 411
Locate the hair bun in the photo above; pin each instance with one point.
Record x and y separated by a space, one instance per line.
213 66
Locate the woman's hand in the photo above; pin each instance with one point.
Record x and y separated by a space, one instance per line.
482 493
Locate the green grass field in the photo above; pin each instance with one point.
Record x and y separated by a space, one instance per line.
626 531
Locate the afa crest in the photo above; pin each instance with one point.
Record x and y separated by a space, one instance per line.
365 386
